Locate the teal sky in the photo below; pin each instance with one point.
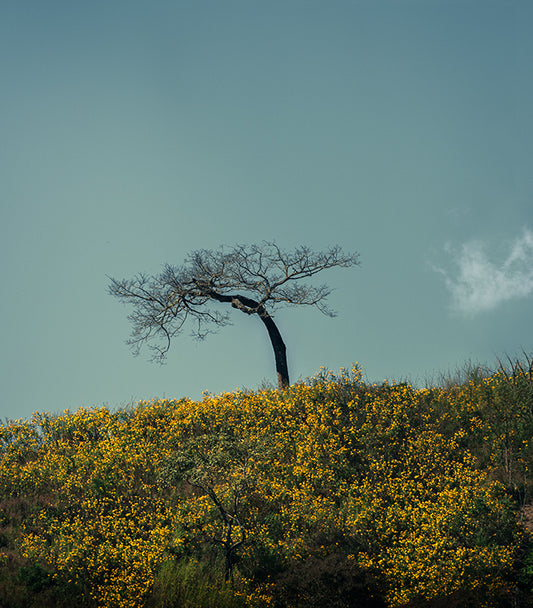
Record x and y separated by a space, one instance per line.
135 132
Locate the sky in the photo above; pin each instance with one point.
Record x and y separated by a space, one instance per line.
135 132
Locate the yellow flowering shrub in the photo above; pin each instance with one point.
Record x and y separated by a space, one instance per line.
329 489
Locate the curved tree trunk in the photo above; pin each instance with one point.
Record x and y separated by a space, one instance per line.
280 350
252 307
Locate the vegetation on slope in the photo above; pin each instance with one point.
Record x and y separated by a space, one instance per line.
330 493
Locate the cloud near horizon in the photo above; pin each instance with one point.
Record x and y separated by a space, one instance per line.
481 284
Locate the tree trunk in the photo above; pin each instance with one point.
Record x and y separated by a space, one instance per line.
251 307
280 351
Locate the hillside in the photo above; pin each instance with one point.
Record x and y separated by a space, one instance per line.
331 493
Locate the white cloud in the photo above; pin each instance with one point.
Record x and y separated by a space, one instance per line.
481 284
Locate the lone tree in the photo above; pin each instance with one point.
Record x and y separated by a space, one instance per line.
255 279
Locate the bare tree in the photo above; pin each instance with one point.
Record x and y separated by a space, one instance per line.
254 279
